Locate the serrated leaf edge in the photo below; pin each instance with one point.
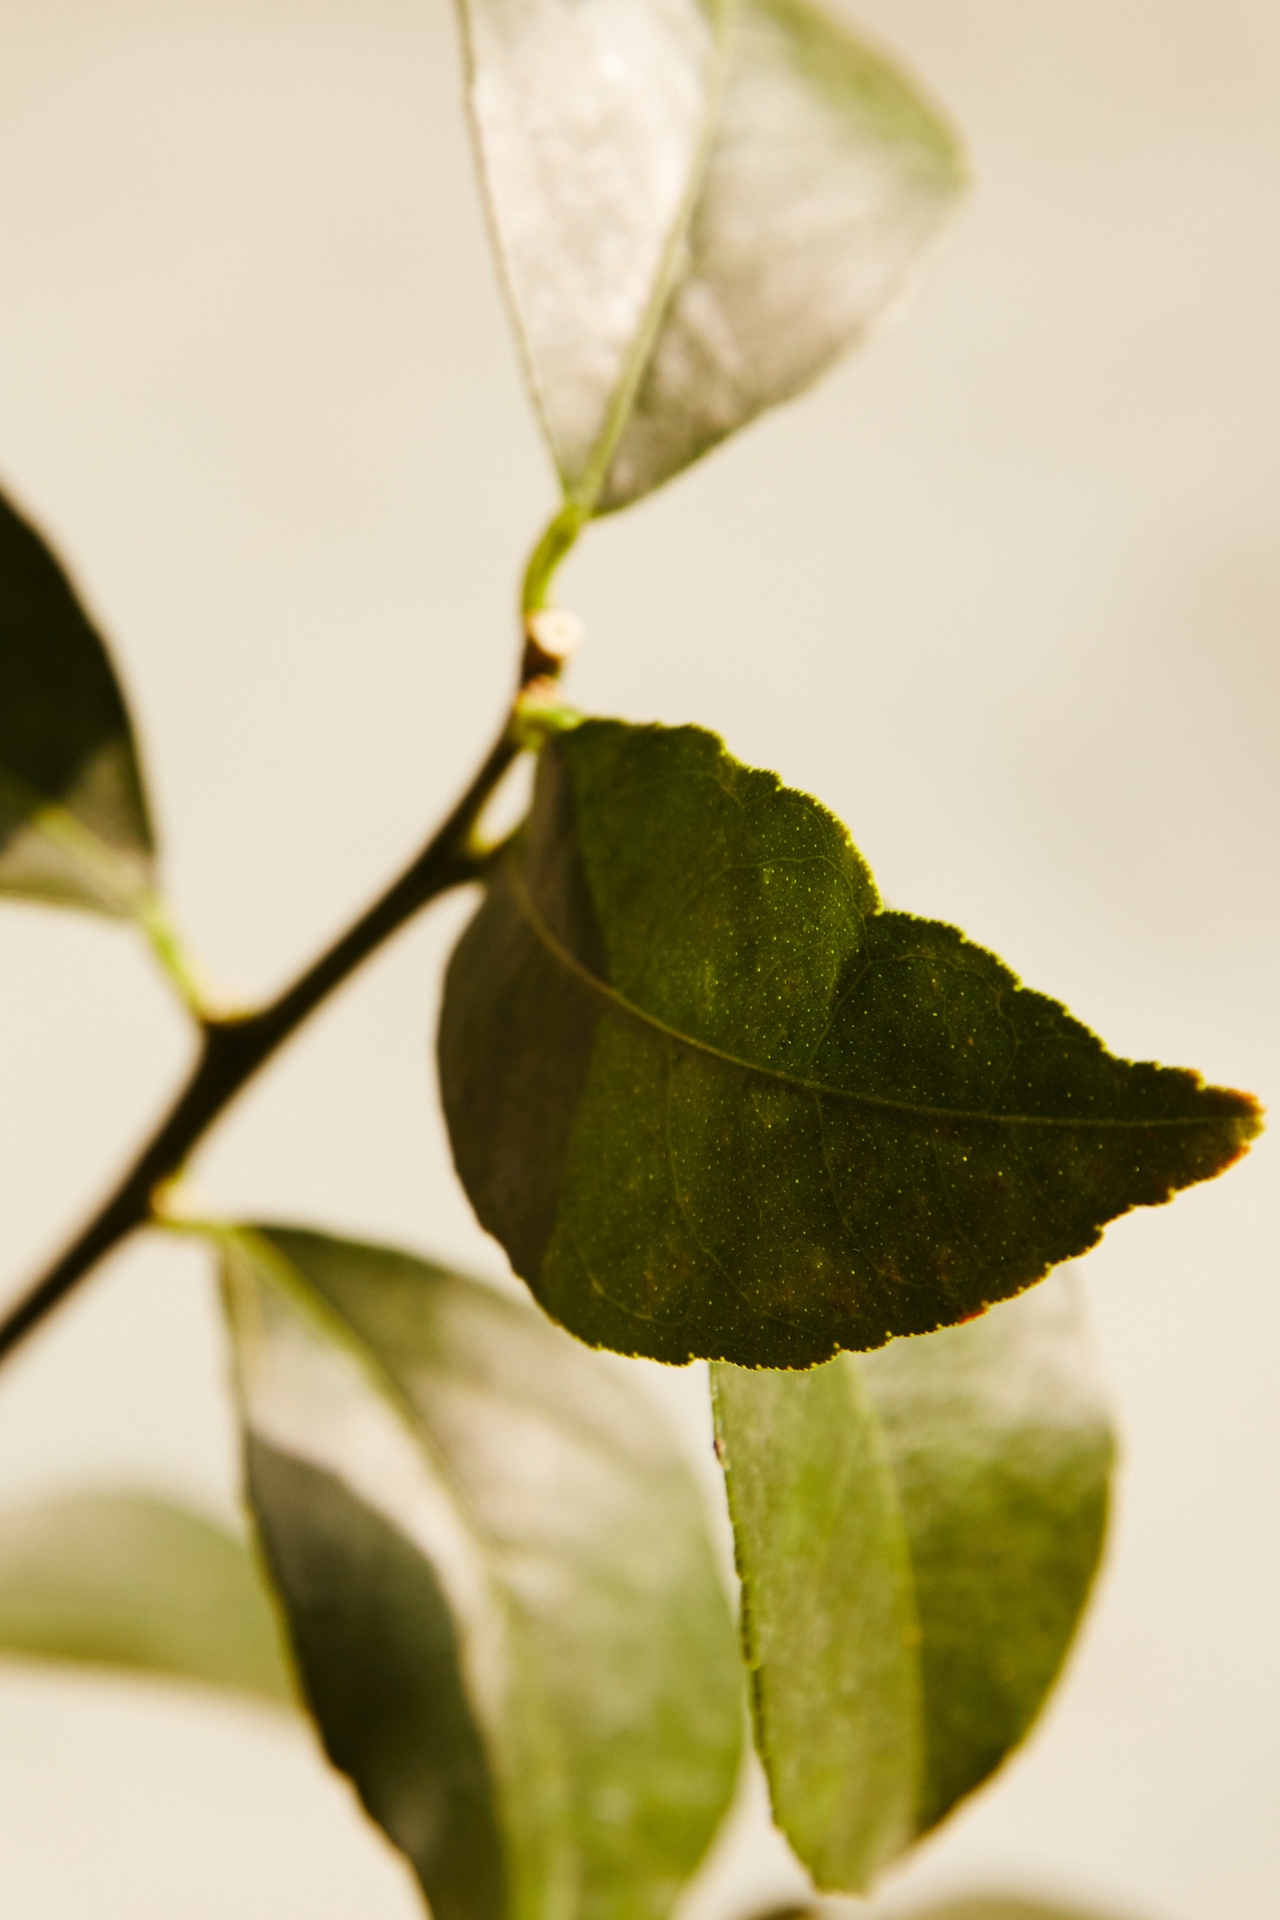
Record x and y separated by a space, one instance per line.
1249 1123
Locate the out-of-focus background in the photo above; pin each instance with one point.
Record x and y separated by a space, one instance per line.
1005 592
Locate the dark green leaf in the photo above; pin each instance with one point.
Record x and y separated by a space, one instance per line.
498 1581
74 826
124 1580
916 1531
698 209
714 1100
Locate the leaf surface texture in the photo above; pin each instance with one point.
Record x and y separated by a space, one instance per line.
715 1101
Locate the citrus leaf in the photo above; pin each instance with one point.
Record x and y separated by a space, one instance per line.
916 1531
498 1581
74 826
126 1580
715 1101
698 207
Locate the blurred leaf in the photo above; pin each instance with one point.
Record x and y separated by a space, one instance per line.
793 1912
996 1907
498 1580
125 1580
973 1907
714 1100
74 826
698 208
916 1531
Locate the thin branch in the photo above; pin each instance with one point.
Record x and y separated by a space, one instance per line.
232 1051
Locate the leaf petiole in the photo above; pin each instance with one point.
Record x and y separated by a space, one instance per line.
150 911
557 539
234 1050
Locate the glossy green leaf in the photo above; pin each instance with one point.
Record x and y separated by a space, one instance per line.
714 1100
496 1569
125 1580
916 1531
74 826
698 208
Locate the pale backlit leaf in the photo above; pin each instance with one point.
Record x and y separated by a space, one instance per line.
126 1580
698 208
916 1530
497 1576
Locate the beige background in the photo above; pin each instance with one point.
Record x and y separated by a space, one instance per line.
1005 593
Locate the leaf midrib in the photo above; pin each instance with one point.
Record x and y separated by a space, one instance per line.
265 1258
585 493
886 1103
97 865
263 1253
